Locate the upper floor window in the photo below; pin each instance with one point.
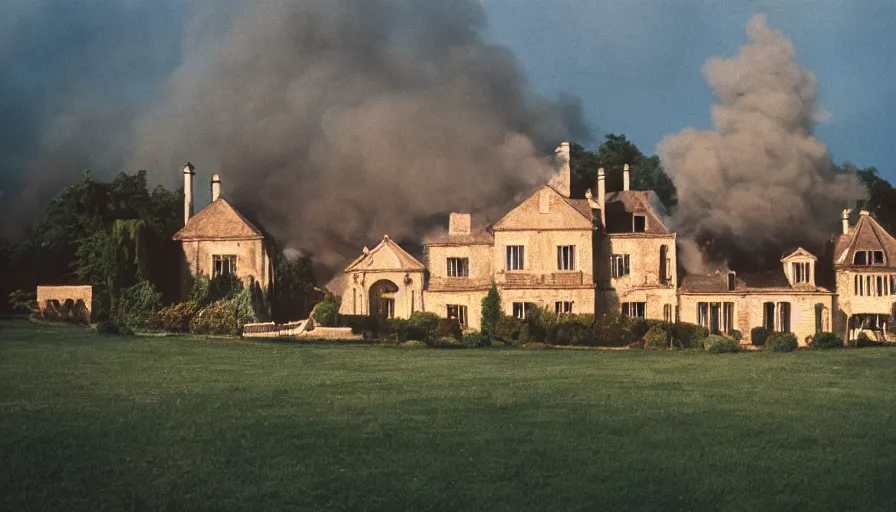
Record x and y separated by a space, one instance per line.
515 257
620 265
634 309
639 223
458 267
224 265
800 272
566 257
563 306
868 258
874 286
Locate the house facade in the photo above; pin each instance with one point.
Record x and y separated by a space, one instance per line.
613 252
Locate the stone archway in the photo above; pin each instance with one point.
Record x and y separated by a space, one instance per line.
382 298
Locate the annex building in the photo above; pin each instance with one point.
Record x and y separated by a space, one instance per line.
612 251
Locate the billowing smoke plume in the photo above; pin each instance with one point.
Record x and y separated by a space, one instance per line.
339 121
760 182
334 122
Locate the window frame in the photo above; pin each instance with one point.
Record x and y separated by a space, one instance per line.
620 265
458 266
635 218
228 260
564 307
514 257
460 313
634 309
566 257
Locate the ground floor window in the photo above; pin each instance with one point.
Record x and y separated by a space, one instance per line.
521 309
224 265
718 317
634 309
776 316
563 306
667 313
456 311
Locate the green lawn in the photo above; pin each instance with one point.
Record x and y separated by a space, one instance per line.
90 422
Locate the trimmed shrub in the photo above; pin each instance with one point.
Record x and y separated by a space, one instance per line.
782 342
394 330
474 339
449 328
360 323
422 326
827 340
736 335
509 329
656 338
326 313
716 344
491 312
758 336
685 335
218 318
614 330
174 318
571 329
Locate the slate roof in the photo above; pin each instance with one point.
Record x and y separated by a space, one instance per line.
218 221
769 281
866 235
621 205
476 237
401 260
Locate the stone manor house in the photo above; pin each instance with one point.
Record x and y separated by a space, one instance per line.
611 250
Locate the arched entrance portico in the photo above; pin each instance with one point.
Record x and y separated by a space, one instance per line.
382 298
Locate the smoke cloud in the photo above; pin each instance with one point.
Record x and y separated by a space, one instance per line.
760 182
333 122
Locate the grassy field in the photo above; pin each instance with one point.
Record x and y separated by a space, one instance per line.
88 422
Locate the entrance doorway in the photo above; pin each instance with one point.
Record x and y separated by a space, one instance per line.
382 298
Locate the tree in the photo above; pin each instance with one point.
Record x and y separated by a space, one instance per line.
491 312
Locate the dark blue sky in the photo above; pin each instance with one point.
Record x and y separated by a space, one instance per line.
636 64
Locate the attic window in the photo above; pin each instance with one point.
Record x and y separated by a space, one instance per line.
731 281
868 258
800 272
639 224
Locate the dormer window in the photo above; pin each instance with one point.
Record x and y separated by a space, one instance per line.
639 223
732 281
868 258
800 272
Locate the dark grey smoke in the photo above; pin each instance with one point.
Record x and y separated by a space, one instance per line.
760 182
334 121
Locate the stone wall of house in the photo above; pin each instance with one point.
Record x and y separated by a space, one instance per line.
251 259
540 253
644 282
659 301
437 302
480 256
852 304
582 298
83 294
749 313
408 298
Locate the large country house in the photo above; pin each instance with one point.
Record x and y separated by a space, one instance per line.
613 251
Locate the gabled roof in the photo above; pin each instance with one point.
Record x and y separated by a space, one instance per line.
563 213
386 256
218 221
798 253
866 235
621 205
475 237
770 281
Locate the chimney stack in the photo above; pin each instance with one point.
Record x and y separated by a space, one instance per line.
216 187
625 178
459 224
602 195
844 216
188 191
561 181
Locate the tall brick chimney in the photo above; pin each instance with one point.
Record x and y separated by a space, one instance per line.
216 187
188 191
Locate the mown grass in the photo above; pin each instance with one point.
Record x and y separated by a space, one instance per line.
90 422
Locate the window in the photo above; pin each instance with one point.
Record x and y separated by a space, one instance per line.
564 306
639 223
732 281
776 317
868 258
566 257
520 309
224 265
874 286
515 257
456 311
665 265
412 302
819 318
634 309
620 265
458 267
800 272
718 317
667 313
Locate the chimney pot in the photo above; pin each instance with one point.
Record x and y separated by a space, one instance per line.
602 194
188 191
844 217
625 177
216 187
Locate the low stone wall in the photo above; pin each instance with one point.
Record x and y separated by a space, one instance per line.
331 333
82 294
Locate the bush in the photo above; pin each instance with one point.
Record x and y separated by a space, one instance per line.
685 335
360 324
656 338
614 330
570 329
491 312
112 328
736 335
759 335
422 326
218 318
863 341
509 329
827 340
782 342
475 339
716 344
136 304
198 289
174 318
449 328
23 302
326 313
223 287
394 330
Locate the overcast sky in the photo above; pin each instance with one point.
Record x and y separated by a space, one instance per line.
636 64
